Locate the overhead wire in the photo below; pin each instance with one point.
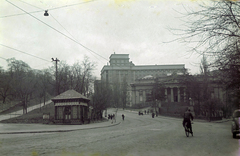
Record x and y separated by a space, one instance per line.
30 4
15 63
47 9
3 58
58 31
57 22
24 52
68 32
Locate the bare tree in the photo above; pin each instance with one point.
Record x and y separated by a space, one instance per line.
87 77
44 85
158 93
78 76
214 31
5 86
101 97
63 83
23 81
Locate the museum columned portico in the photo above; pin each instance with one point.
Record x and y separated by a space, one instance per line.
174 93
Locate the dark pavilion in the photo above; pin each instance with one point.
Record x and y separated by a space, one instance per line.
71 107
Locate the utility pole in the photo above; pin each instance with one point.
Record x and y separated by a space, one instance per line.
56 60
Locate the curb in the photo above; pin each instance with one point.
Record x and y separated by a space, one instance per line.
196 120
51 131
221 121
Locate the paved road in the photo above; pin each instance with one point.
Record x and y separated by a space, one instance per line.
136 135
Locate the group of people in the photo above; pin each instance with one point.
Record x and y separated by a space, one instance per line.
111 116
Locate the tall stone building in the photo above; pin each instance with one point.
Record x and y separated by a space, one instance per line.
120 69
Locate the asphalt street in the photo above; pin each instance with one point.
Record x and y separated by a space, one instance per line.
136 135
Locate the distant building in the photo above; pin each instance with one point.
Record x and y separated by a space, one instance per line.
178 92
174 92
71 107
122 70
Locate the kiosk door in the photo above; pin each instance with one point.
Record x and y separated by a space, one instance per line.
67 113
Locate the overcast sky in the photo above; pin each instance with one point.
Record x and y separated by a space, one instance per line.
97 29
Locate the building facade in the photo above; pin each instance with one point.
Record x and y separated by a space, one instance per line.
71 107
174 98
120 70
174 91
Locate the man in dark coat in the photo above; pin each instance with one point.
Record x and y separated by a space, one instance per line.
187 117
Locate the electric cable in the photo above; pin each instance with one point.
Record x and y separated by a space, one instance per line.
70 34
58 23
58 31
31 5
34 67
24 52
3 58
48 9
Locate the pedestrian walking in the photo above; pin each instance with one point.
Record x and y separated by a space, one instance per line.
123 117
153 115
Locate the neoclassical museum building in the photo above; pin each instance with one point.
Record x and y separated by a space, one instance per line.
140 79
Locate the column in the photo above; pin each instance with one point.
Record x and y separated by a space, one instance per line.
144 96
184 95
172 98
166 96
179 98
134 96
137 97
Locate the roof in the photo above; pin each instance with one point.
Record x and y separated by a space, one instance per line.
119 56
145 67
70 94
148 77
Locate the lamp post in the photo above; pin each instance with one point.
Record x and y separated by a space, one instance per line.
56 87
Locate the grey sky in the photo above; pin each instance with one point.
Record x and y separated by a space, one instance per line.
137 28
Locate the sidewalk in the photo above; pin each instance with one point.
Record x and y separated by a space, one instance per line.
176 118
44 128
196 120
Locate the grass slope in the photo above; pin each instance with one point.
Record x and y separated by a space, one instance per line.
34 116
